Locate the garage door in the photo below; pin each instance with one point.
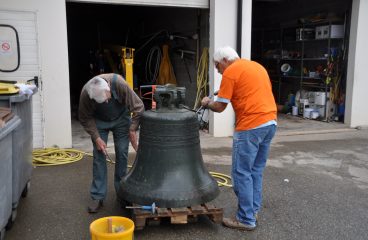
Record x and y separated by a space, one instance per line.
25 24
172 3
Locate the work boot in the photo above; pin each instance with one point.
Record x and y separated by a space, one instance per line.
234 223
94 205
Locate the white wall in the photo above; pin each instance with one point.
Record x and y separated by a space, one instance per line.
356 113
52 37
25 24
246 29
223 32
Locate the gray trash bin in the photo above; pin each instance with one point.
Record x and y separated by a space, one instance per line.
6 152
21 105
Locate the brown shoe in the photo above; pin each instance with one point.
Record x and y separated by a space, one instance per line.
94 206
234 223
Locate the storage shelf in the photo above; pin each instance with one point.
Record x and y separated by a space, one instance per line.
312 40
317 78
305 56
305 59
312 86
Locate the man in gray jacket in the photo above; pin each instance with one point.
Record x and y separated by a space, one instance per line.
108 104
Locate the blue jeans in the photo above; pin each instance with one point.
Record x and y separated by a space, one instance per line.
120 130
250 153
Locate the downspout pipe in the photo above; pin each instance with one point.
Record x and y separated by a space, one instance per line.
239 27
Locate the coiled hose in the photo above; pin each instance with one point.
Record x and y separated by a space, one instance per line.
56 156
223 180
59 156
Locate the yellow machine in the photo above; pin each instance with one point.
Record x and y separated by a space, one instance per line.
127 63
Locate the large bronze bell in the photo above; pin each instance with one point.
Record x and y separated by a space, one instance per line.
168 169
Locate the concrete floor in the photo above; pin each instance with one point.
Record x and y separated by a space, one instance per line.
315 187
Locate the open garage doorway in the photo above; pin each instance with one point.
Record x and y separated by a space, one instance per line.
98 32
304 47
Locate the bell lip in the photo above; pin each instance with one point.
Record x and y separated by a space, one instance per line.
211 192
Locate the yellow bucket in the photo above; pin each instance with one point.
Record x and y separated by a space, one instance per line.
100 229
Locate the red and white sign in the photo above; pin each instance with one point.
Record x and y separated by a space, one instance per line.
5 47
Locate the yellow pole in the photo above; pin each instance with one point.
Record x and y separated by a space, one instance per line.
128 57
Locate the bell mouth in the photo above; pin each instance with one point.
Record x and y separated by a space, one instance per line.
134 193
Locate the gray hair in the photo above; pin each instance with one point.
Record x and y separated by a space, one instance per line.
96 88
227 53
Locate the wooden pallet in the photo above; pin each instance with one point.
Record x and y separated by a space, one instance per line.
176 215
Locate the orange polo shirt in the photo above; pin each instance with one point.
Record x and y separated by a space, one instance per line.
247 86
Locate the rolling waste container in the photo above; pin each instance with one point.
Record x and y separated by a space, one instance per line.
21 105
6 155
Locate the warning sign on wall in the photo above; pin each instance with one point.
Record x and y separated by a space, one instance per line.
5 47
9 49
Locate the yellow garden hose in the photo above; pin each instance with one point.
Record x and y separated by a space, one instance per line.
56 156
59 156
222 179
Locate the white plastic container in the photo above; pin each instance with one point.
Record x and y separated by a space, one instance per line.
294 111
307 112
321 111
314 115
320 98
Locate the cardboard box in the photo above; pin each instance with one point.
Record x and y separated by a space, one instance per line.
320 98
322 32
336 31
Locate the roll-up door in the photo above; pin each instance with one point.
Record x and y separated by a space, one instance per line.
171 3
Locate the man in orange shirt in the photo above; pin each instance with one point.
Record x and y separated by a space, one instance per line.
247 86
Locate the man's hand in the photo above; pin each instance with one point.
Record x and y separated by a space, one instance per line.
213 105
205 101
133 139
101 145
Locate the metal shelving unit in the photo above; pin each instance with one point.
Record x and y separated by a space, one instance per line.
305 55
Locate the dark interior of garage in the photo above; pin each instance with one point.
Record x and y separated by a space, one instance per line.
98 32
304 47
